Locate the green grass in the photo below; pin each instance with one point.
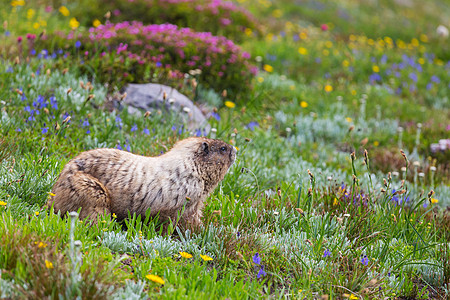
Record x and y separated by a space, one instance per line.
297 216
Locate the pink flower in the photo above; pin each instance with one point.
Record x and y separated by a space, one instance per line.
19 39
324 27
225 21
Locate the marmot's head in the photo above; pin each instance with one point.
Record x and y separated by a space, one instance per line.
212 158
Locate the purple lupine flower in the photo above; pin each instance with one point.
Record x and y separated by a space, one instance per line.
365 260
134 128
261 272
256 258
146 131
326 253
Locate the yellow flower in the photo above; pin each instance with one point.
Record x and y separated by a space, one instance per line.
348 119
292 87
248 31
423 38
376 69
64 11
304 104
42 245
36 213
17 3
325 52
353 92
303 35
114 215
302 51
155 278
415 42
335 201
376 143
421 61
185 255
96 23
352 297
268 68
345 63
36 25
73 23
277 13
30 13
205 257
434 201
230 104
328 88
48 264
260 79
2 203
328 44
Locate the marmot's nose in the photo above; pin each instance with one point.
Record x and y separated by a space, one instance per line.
233 153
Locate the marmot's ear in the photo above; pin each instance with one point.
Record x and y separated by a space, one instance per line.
205 147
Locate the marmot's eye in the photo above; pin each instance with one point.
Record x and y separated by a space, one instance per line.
223 149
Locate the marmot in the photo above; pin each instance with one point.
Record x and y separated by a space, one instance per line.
104 181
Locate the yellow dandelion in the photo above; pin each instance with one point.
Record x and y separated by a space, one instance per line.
328 44
48 264
155 278
376 143
268 68
185 255
96 23
328 88
376 69
43 23
423 38
421 61
348 119
325 52
277 13
36 25
64 11
415 42
303 35
335 201
2 203
302 51
114 215
352 297
248 31
353 92
205 257
304 104
36 213
18 3
260 79
42 245
230 104
434 201
345 63
73 23
30 13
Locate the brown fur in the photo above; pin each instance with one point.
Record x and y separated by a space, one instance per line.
104 181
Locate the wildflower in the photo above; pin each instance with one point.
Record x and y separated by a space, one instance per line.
365 260
434 200
268 68
252 125
185 255
44 129
36 213
256 258
324 27
73 23
260 79
348 119
328 88
77 44
2 203
42 245
96 23
206 257
230 104
17 3
335 201
48 264
302 51
326 253
64 11
376 69
352 297
261 273
304 104
134 128
155 278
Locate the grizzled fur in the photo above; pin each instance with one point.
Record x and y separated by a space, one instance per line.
104 181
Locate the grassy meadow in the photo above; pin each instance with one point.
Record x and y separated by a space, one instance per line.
339 110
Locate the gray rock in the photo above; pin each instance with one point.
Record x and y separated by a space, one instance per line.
148 97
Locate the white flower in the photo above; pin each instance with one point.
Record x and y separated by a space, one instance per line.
442 31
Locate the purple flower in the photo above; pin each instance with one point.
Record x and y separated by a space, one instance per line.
365 260
118 146
435 79
119 122
374 78
261 273
198 132
158 64
413 77
252 125
146 131
85 122
215 116
77 44
134 128
18 130
44 129
256 258
326 253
